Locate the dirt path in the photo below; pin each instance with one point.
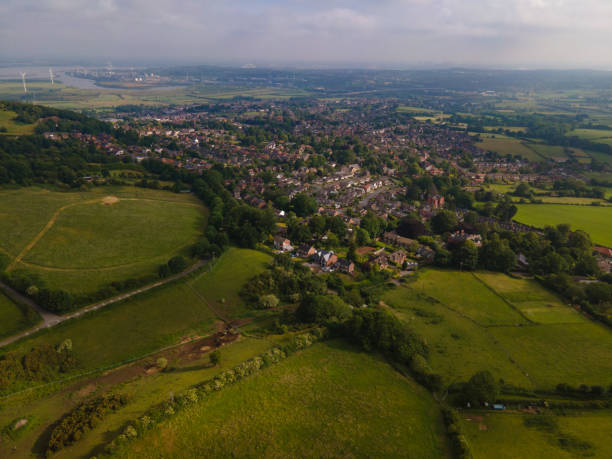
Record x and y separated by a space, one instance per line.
51 320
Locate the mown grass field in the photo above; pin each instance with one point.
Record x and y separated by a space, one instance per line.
594 220
13 127
149 321
553 345
81 241
327 401
505 435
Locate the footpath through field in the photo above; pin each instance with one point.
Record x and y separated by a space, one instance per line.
50 320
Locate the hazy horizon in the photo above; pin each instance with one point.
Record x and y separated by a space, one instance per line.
390 34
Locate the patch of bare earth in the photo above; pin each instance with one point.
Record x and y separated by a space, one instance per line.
109 200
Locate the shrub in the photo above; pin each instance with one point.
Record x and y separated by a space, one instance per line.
177 264
162 363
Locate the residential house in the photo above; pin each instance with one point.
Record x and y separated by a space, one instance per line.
306 251
325 258
345 266
282 243
398 257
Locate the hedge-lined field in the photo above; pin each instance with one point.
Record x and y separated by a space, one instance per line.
327 401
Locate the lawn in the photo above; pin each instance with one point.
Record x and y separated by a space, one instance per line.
12 318
594 220
327 401
465 293
151 320
81 241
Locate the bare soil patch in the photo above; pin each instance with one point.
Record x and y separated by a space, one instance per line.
109 200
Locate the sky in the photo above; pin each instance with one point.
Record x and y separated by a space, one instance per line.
331 33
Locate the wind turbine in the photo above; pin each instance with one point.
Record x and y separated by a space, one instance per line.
51 76
25 89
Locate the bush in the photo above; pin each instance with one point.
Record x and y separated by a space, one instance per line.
162 363
177 264
215 358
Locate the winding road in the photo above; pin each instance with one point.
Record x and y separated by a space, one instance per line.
50 320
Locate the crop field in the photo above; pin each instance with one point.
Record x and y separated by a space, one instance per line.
12 318
594 220
505 435
554 344
81 241
367 408
149 321
12 127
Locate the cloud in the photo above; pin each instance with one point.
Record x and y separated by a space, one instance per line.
384 32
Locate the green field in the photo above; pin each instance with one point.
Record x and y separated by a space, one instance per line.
12 318
594 220
13 127
81 241
326 401
154 319
467 295
553 344
505 145
105 99
505 435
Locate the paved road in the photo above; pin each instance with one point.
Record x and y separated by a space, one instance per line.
50 320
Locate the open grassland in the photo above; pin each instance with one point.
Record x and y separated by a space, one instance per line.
326 401
144 389
467 295
154 319
555 344
458 347
594 220
105 99
81 241
564 353
567 200
536 303
12 318
548 151
592 134
505 145
13 127
505 435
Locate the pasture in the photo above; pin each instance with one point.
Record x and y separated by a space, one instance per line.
82 241
367 410
592 219
552 344
12 317
151 320
505 145
505 435
13 127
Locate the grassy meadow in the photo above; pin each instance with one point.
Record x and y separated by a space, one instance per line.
505 435
505 145
551 344
367 410
81 241
12 127
594 220
12 317
151 320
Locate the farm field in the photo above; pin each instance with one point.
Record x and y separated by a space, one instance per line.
12 318
505 435
279 412
554 345
12 127
149 321
505 145
467 294
81 241
144 389
594 220
567 200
